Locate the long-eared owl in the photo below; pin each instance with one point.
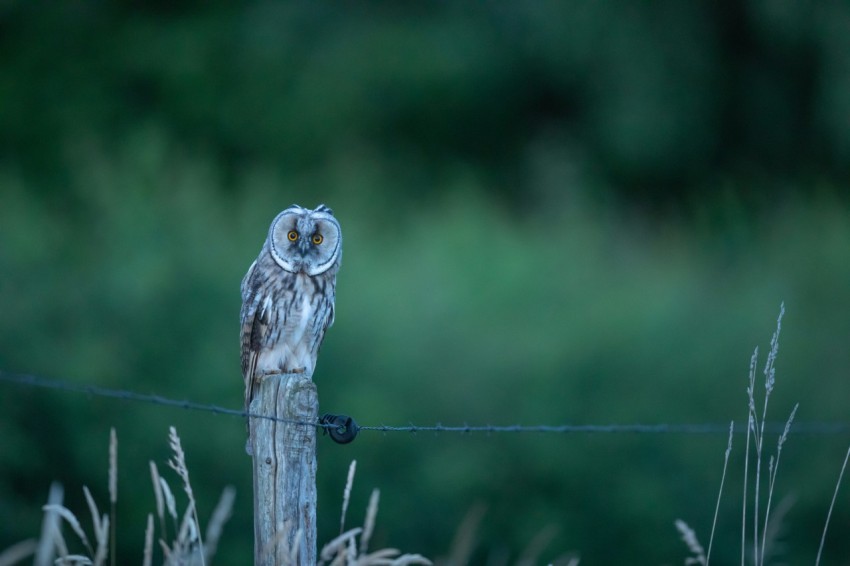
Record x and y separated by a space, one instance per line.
288 295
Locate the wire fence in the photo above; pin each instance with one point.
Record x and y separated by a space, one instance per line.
814 428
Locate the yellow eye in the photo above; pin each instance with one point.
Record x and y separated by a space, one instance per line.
293 235
318 239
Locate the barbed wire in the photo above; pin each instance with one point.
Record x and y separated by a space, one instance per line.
29 380
126 395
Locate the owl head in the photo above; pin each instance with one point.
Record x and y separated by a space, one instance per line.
306 241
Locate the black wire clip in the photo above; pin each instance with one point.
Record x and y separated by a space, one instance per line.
342 428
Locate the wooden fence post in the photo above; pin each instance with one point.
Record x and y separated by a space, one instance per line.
285 471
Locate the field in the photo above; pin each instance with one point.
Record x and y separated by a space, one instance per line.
551 216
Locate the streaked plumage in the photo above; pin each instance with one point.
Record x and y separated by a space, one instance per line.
288 295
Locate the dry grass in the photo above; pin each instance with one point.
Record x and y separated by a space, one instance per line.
689 537
765 524
344 549
831 505
183 547
177 535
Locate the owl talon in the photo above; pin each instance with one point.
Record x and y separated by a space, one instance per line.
259 378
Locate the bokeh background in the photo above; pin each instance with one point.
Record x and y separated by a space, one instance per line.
554 212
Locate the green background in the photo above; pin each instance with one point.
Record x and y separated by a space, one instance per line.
553 212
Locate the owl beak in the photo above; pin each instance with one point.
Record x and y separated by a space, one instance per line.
303 246
301 255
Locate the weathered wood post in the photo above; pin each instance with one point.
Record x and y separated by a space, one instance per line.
285 470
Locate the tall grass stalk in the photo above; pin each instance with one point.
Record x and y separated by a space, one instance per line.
147 556
100 525
221 514
689 537
750 427
158 496
178 464
369 521
720 492
831 505
113 490
758 429
774 467
346 494
51 536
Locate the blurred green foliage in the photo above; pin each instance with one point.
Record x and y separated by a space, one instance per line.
553 213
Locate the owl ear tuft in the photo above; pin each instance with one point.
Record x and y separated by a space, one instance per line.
325 209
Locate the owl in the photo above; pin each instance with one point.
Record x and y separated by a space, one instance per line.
288 295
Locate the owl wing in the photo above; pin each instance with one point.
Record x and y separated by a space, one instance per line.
251 331
325 317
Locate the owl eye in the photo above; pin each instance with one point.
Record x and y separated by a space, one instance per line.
318 239
292 235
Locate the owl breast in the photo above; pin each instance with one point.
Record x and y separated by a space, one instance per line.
289 347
